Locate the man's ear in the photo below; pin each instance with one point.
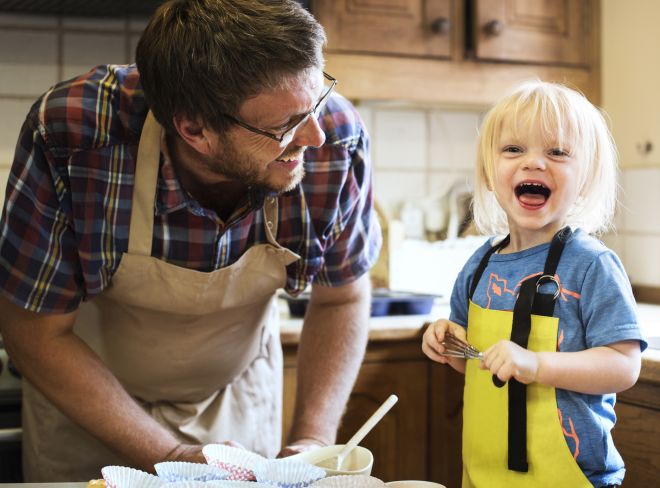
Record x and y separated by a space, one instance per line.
193 133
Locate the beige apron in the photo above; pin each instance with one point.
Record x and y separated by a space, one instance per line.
199 351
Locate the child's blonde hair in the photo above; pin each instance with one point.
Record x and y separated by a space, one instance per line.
567 118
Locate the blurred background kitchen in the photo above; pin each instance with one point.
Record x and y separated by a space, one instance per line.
422 73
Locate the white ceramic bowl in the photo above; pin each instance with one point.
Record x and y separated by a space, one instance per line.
413 484
359 461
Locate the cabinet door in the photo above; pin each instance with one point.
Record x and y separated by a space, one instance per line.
399 441
400 27
536 31
636 433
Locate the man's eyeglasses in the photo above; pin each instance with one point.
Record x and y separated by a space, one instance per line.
285 136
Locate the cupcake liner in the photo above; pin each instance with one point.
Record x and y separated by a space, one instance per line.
190 484
349 481
287 473
239 463
125 477
234 484
172 471
216 484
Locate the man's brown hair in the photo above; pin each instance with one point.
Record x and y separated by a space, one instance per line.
203 58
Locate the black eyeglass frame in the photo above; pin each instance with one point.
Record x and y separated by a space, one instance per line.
297 124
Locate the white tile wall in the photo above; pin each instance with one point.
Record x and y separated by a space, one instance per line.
28 61
13 114
402 139
452 137
82 51
642 259
420 154
637 239
641 199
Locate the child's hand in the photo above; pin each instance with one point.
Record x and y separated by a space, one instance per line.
432 342
508 360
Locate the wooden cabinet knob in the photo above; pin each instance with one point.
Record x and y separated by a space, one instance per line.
494 27
441 26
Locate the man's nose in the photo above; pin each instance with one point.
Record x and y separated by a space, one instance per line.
309 133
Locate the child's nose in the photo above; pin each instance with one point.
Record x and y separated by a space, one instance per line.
534 161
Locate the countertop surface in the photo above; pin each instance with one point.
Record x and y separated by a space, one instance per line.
409 327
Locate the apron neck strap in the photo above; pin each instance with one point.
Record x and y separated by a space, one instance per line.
484 262
140 233
530 301
271 219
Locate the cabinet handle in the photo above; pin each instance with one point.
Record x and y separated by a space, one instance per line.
494 27
441 26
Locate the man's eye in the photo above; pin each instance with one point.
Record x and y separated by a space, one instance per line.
280 128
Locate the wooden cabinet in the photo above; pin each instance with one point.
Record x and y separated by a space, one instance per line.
466 52
402 27
420 437
637 432
533 31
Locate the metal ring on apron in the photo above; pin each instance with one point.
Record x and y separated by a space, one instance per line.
545 278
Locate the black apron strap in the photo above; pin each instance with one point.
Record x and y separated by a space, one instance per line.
530 301
484 262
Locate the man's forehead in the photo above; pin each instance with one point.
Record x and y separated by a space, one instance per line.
301 89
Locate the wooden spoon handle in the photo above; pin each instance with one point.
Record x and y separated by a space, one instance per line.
366 428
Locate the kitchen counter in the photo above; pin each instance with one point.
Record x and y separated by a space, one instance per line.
407 327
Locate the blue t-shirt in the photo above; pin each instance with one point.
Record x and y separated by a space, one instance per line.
596 307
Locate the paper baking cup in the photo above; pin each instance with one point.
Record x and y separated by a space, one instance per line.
349 481
216 484
234 484
172 471
287 473
125 477
239 463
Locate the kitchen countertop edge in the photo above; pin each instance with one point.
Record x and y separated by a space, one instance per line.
411 327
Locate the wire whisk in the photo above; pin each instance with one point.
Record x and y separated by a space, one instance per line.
457 348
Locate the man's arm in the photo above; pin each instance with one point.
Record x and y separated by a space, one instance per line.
331 349
58 363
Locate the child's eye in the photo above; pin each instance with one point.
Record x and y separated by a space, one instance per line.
558 152
512 149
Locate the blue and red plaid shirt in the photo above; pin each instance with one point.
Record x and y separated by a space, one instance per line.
68 202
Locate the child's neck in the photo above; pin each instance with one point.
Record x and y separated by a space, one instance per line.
522 239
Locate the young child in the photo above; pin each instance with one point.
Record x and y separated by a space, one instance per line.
549 305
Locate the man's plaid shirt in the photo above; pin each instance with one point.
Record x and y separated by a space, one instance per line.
66 215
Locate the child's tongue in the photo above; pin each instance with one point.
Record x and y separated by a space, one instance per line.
533 199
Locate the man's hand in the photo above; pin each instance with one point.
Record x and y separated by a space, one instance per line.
508 360
192 453
301 445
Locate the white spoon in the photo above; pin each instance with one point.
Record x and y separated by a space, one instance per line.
365 429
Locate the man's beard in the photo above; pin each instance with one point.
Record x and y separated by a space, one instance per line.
229 163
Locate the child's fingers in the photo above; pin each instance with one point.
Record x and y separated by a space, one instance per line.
433 354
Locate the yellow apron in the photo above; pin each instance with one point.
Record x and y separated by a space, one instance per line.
487 429
199 351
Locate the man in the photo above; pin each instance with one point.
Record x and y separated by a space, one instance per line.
149 220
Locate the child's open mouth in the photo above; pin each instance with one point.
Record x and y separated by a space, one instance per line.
532 195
